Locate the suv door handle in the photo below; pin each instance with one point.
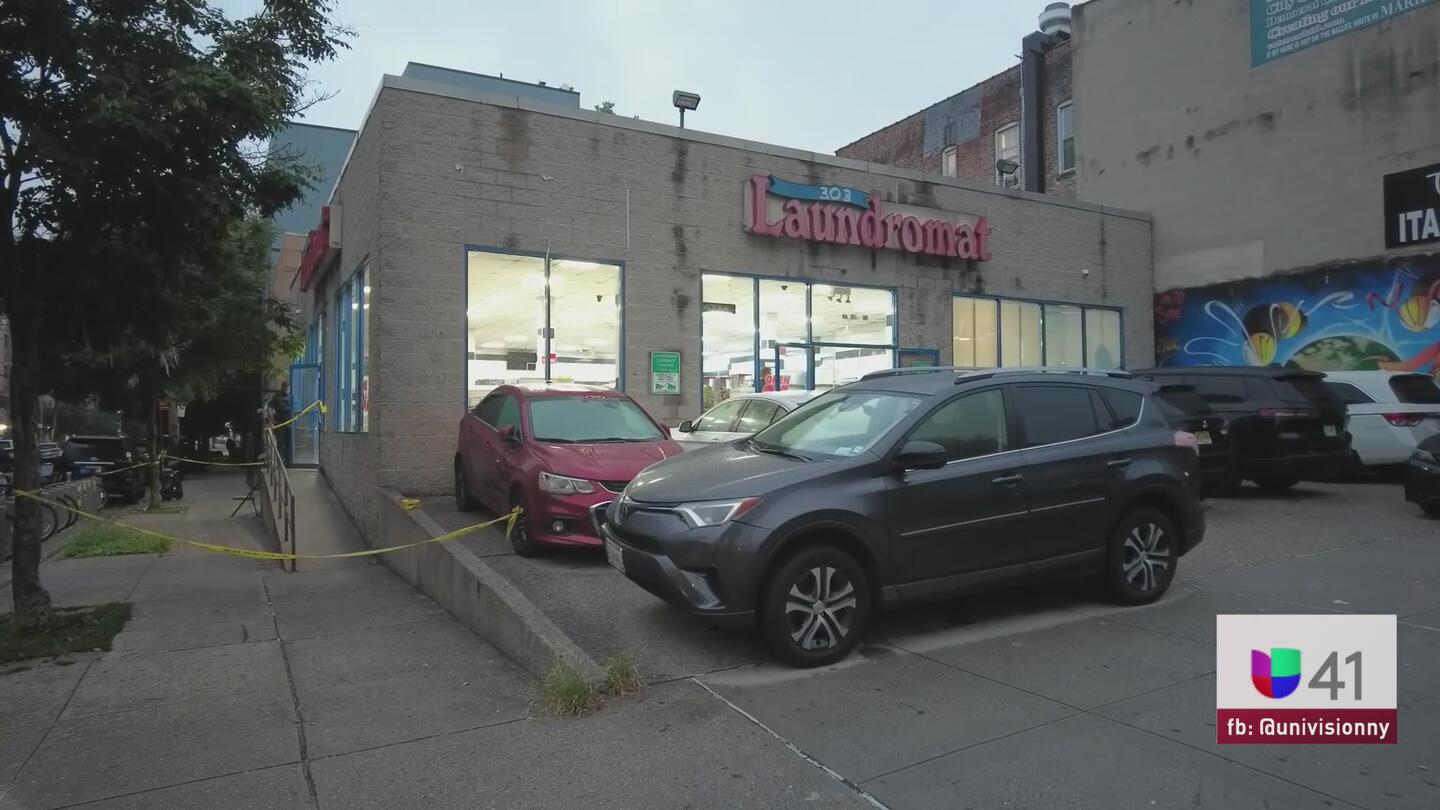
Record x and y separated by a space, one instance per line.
1007 480
1118 463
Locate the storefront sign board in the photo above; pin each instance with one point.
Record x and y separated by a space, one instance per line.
1282 27
1412 207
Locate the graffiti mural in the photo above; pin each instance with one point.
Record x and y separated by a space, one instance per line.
1382 314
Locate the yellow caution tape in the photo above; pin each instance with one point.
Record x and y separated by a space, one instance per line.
410 503
308 408
508 519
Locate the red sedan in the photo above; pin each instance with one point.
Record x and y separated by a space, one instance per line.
556 451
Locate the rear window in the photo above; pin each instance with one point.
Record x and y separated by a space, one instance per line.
1415 388
1219 389
1304 389
99 449
1348 394
590 419
1182 401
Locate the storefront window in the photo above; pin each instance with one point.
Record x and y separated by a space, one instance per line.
1102 338
585 322
510 300
772 334
977 340
362 292
352 303
727 318
1025 333
1020 338
1064 338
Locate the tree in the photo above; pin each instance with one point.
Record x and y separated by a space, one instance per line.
605 107
127 150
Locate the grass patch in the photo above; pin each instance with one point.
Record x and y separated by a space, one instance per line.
107 540
564 692
70 630
622 676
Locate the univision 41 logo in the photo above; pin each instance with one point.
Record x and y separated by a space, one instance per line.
1345 664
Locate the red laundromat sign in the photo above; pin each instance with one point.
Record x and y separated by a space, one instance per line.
842 216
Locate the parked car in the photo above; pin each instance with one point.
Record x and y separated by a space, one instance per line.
108 457
1390 412
1422 476
739 416
1284 423
1188 411
909 486
49 456
555 451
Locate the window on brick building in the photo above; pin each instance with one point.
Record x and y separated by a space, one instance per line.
1065 129
1007 147
948 164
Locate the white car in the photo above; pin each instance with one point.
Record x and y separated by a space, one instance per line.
739 416
1390 412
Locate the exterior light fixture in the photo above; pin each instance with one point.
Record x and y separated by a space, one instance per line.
684 100
1006 167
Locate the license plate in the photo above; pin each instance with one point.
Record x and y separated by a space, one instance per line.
614 555
1202 437
1331 431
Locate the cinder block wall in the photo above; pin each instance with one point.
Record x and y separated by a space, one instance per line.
350 460
455 171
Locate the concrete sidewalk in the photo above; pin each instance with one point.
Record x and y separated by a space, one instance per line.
239 685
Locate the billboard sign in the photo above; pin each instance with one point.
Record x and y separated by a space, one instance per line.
1282 27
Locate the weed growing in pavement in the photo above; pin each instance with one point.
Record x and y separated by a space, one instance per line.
82 629
622 676
565 692
106 540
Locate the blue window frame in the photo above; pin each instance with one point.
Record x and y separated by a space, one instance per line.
352 306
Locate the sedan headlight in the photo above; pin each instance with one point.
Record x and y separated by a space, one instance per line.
713 513
564 485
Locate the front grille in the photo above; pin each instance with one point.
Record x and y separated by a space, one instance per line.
615 486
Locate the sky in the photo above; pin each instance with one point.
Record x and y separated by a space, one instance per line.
797 73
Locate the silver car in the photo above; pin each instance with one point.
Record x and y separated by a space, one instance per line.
739 416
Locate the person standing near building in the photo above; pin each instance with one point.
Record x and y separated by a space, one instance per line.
281 410
767 379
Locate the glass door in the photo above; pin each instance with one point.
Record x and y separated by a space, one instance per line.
793 368
305 431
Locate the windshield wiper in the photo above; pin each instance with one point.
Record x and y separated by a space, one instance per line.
554 441
774 450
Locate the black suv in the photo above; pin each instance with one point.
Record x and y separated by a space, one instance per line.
913 484
1190 412
114 458
1285 423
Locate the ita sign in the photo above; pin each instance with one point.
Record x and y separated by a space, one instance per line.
665 373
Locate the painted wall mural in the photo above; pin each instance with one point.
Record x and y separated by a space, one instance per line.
1382 314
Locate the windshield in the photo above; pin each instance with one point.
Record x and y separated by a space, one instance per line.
99 449
837 424
590 419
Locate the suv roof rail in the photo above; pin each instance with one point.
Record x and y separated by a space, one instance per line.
1096 372
897 372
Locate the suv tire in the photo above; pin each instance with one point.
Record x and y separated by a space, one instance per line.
464 501
1276 483
1140 559
815 607
520 537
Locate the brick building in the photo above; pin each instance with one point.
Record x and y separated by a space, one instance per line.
492 239
965 135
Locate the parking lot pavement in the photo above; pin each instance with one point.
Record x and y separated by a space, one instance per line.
1052 698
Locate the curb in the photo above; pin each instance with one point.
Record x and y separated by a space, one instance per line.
476 594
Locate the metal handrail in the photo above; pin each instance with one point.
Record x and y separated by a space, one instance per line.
277 490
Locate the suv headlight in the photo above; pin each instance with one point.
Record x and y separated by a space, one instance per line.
564 485
713 513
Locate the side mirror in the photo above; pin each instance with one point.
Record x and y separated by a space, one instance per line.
665 429
686 427
510 435
921 455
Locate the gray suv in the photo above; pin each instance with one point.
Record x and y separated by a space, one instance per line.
910 485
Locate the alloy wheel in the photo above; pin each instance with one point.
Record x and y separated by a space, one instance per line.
1147 556
819 607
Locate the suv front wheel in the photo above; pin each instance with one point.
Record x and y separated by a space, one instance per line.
816 607
1140 560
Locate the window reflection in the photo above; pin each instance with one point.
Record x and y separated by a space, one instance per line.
1102 338
1020 339
1064 340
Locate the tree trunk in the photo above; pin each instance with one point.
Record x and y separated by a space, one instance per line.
32 601
152 471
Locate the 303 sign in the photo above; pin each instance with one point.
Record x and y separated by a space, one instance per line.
1345 664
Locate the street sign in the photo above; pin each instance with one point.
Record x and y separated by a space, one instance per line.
665 373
